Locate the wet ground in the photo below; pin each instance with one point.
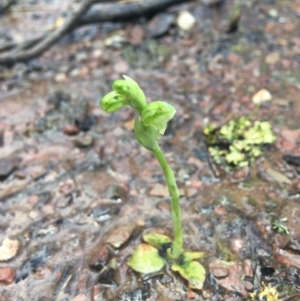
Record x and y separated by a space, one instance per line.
77 191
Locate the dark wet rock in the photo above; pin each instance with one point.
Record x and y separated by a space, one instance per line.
211 2
70 129
139 294
65 272
85 123
36 260
84 141
6 168
254 240
160 25
64 201
107 277
40 233
58 98
100 213
291 211
99 258
115 192
292 159
120 235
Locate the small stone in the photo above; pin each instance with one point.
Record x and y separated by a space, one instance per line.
84 141
100 257
70 129
291 211
207 294
74 72
190 192
160 25
115 192
219 269
278 176
159 190
291 135
248 285
186 20
60 77
120 235
80 297
163 206
97 53
136 35
272 58
191 294
121 67
6 168
81 56
35 172
9 249
7 275
242 173
261 96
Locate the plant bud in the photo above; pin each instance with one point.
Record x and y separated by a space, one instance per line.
156 115
145 135
112 102
129 88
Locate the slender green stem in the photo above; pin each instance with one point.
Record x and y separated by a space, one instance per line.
176 212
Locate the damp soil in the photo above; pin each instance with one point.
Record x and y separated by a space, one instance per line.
77 191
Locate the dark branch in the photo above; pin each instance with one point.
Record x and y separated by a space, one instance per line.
98 13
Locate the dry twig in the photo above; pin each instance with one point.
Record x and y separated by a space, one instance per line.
84 15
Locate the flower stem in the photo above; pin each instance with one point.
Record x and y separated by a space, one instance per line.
175 208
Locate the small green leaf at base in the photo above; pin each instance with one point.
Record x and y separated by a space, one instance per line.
193 272
156 240
189 256
145 259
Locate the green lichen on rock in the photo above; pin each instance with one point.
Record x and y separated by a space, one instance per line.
239 142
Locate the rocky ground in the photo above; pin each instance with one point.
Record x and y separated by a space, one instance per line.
77 191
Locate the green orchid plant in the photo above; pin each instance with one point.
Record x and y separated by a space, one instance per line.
150 124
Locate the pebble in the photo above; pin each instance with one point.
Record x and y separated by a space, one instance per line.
186 20
190 192
84 141
219 268
160 25
75 72
120 235
60 77
97 53
278 176
7 275
121 67
272 58
159 190
191 294
80 297
6 168
261 96
70 129
9 249
99 258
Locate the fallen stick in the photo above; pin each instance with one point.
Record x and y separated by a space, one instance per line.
88 12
